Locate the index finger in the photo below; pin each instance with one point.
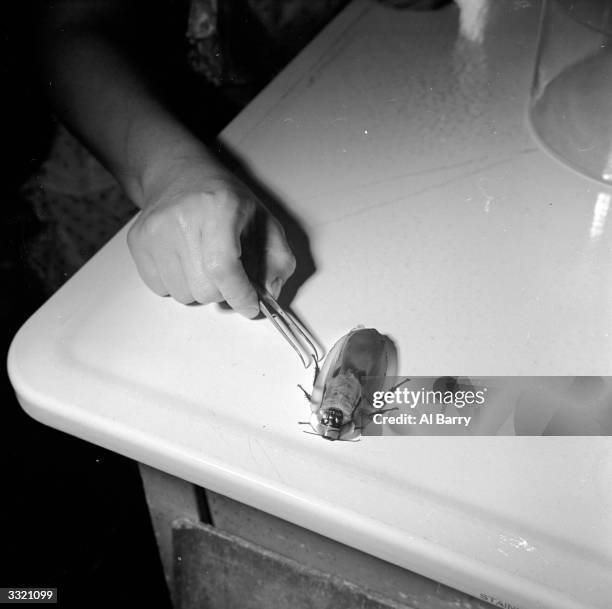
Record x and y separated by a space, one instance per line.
224 267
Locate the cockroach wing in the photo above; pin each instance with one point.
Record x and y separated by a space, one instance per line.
364 350
384 368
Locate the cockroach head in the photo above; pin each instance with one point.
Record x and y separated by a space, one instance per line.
332 420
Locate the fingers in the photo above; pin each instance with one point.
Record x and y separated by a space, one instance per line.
190 249
147 269
173 277
202 288
223 266
279 259
161 266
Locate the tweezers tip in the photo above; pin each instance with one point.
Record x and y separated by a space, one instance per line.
293 328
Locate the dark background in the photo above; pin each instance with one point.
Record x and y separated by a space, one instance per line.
72 515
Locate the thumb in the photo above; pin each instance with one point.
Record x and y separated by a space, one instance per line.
279 260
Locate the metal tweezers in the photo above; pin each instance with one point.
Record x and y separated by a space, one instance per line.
290 328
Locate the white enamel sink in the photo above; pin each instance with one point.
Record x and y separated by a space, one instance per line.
398 140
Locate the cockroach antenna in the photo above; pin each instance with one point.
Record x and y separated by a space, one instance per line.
312 433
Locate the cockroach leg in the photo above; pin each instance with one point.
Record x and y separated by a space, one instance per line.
389 409
306 394
316 372
399 384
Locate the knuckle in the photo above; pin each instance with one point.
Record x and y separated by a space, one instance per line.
177 221
187 212
219 264
178 215
212 266
235 203
226 198
154 225
160 223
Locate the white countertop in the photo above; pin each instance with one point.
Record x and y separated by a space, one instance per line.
399 141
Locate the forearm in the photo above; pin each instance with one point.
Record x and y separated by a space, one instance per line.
102 94
188 241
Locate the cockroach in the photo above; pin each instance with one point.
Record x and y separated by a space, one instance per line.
355 367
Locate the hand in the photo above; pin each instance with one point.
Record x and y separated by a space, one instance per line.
188 240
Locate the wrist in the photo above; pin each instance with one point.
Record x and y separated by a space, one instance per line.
184 165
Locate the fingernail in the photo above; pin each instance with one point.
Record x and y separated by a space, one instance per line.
252 312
